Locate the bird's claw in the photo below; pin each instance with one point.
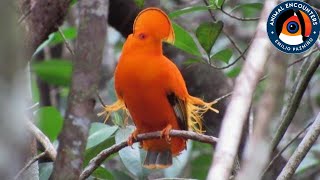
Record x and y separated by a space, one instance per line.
165 133
133 136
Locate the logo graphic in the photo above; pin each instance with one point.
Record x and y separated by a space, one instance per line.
293 26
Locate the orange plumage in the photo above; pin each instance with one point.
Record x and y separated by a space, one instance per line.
152 89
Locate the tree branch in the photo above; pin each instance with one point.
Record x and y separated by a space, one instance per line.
98 160
238 108
85 80
285 147
43 139
294 102
34 159
301 151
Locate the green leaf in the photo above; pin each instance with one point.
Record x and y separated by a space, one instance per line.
102 173
92 152
191 61
45 170
223 55
218 3
184 41
98 133
207 34
49 121
70 33
191 9
132 158
234 72
139 3
54 71
249 9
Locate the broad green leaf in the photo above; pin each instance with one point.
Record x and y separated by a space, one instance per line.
139 3
191 9
223 55
191 61
98 133
133 157
49 121
179 162
234 72
207 34
249 9
92 152
45 170
201 160
35 90
54 71
184 41
102 173
70 33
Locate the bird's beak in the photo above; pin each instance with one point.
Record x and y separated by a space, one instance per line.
170 39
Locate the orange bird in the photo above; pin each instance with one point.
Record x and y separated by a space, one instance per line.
152 89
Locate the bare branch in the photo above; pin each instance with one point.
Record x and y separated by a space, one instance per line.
294 102
257 149
98 160
43 139
34 159
286 146
301 151
238 108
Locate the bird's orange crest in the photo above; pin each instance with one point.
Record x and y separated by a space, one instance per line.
156 22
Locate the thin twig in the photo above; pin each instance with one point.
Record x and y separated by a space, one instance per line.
303 57
66 42
301 151
100 100
43 139
294 102
285 147
96 161
24 16
238 18
34 159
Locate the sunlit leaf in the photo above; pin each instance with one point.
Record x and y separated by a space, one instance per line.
49 121
190 9
184 41
223 55
98 133
54 71
207 34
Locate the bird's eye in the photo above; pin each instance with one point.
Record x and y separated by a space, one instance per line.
292 27
142 36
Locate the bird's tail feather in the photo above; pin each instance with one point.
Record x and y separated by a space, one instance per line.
158 160
195 110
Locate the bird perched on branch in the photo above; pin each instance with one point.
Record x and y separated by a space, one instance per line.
153 90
